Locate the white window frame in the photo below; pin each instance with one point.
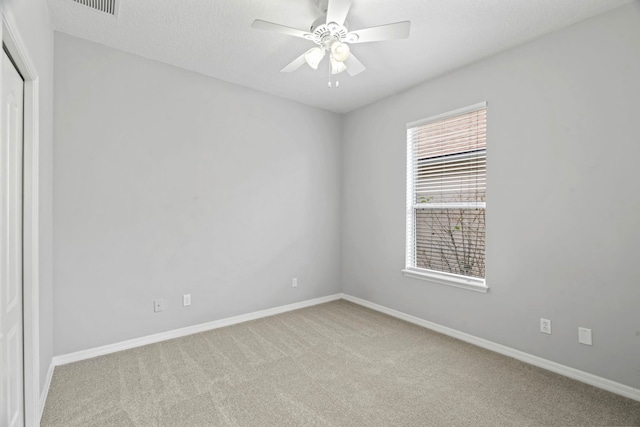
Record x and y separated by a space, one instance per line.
439 277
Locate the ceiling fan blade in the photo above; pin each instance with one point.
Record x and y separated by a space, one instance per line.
295 64
337 11
399 30
354 66
270 26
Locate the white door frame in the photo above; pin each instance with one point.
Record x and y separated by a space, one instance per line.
31 305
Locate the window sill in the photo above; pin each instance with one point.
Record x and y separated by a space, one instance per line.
471 284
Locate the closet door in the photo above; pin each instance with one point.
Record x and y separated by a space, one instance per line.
11 321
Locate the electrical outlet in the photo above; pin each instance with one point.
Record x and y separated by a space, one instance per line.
294 283
158 305
584 336
545 326
186 300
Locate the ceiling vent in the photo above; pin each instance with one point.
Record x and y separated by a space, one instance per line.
105 6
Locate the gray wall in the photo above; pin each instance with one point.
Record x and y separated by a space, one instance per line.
33 25
168 182
562 201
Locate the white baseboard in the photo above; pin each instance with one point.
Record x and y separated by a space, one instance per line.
45 390
176 333
567 371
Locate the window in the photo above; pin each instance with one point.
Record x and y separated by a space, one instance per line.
446 186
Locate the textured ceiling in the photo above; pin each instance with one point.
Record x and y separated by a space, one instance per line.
215 38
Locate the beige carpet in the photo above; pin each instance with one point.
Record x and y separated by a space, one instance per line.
336 364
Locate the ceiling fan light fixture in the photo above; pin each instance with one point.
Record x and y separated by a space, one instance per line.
330 33
337 66
340 51
314 56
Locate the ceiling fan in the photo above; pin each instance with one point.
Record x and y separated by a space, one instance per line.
331 35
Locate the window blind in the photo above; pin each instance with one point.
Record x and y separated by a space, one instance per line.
446 188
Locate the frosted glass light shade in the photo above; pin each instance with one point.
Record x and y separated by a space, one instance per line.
337 66
340 51
314 56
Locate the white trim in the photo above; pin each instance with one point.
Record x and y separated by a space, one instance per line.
566 371
31 140
448 279
410 232
452 205
448 114
585 377
45 390
176 333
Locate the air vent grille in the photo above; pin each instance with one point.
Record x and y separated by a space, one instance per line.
106 6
